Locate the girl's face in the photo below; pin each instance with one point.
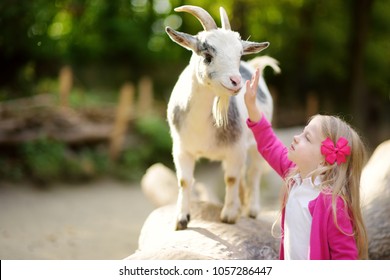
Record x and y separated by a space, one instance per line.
305 150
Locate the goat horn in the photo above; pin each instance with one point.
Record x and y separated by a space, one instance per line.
224 19
204 17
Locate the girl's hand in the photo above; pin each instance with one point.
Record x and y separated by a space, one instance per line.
250 97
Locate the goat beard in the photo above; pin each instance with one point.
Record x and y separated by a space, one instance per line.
221 110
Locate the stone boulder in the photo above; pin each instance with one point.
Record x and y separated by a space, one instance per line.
375 190
206 237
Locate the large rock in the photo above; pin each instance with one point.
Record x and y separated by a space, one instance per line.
206 237
375 184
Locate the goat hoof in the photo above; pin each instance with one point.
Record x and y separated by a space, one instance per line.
229 215
229 219
253 214
182 223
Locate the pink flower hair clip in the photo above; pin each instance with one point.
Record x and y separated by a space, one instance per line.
335 153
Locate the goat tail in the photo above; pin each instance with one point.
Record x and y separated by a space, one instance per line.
263 61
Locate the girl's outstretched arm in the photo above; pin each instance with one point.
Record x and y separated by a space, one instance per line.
270 147
268 144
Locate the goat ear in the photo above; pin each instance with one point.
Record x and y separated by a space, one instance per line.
252 47
183 39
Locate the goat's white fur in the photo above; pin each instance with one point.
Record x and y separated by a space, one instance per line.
198 115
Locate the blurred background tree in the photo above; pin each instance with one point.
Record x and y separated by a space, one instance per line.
337 52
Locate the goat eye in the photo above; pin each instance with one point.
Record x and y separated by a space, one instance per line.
208 58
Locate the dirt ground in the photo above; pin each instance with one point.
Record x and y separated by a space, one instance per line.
98 220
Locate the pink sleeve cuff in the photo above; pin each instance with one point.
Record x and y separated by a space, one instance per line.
260 125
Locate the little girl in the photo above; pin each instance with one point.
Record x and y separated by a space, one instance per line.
321 215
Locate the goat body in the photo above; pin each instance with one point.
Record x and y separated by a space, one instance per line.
207 114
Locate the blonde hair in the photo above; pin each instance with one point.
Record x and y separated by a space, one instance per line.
342 180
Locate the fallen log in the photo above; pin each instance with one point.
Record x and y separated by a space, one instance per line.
31 119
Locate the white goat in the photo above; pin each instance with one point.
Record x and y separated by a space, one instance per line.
207 114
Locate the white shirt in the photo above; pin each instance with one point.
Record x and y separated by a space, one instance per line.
297 222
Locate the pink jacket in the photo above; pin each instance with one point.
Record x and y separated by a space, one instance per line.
327 242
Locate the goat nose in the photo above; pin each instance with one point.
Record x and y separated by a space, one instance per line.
236 80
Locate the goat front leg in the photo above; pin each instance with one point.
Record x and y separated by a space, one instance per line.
185 165
232 205
254 172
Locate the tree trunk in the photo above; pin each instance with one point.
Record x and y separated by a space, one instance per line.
358 90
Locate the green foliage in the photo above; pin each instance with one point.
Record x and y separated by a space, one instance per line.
44 158
150 143
155 130
132 163
11 169
39 36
